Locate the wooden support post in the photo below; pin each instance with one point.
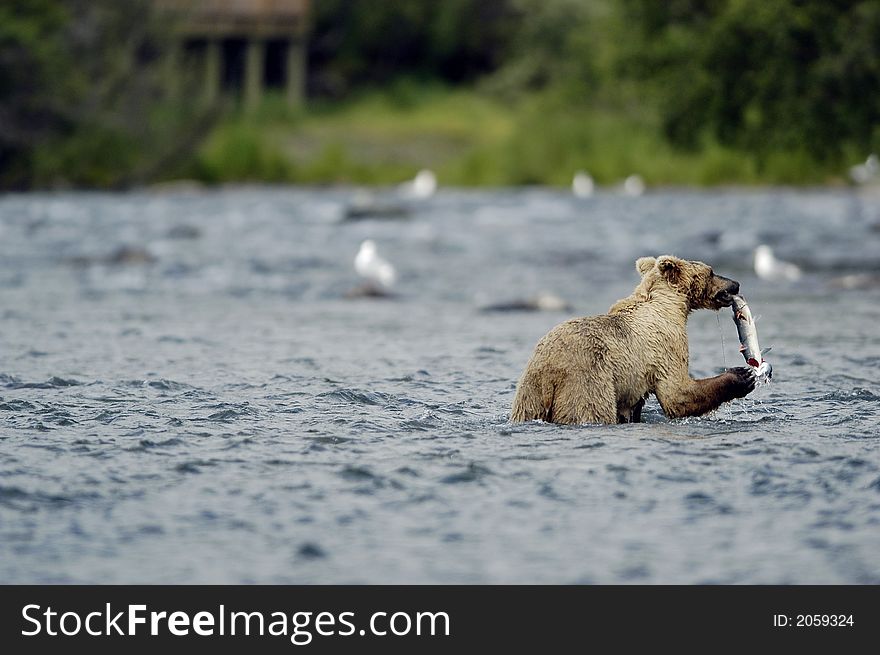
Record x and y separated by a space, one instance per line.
213 61
172 64
295 69
255 62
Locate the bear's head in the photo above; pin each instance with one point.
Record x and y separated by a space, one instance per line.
695 281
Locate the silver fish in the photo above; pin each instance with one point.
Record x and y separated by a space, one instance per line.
748 338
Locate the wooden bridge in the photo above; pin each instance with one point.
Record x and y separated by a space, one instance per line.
242 47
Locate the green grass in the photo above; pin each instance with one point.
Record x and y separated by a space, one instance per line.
472 139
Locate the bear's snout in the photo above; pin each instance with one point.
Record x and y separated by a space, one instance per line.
729 288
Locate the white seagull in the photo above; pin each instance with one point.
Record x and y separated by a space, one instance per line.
424 185
864 173
634 185
582 185
371 266
767 267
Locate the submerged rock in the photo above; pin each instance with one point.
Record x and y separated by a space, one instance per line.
545 302
122 256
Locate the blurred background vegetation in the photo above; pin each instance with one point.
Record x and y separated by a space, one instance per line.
485 92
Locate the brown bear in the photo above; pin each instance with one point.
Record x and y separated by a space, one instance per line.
600 369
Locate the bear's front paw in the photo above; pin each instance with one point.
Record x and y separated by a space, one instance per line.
742 380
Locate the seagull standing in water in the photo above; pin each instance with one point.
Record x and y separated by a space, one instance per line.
634 185
424 185
767 267
864 173
582 185
371 266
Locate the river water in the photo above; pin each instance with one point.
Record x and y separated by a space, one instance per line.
187 396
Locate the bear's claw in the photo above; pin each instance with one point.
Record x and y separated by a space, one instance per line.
744 380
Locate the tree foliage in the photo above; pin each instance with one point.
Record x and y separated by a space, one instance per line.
761 74
82 93
356 43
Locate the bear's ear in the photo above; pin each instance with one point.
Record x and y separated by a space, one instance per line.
645 264
670 268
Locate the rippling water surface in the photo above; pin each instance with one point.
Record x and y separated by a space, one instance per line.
187 396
